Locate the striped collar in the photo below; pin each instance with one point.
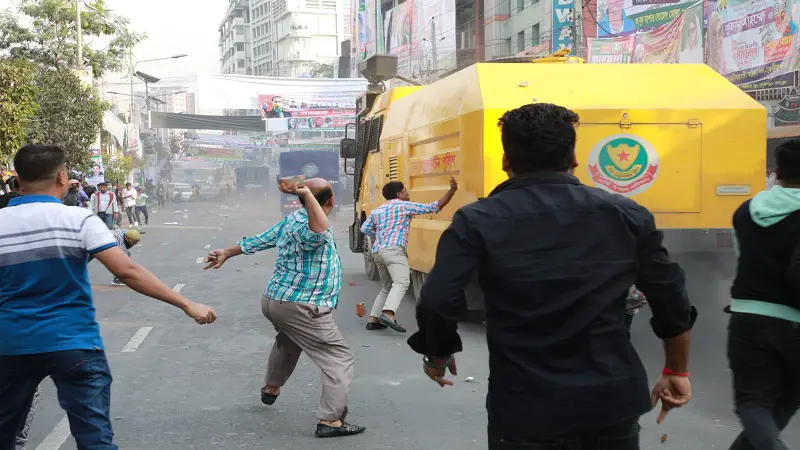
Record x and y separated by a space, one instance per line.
33 198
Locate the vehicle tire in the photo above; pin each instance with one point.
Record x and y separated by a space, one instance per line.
370 268
417 280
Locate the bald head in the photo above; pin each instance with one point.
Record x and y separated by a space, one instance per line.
322 191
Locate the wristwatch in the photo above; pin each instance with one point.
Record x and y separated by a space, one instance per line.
430 363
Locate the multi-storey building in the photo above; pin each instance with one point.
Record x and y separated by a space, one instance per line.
235 39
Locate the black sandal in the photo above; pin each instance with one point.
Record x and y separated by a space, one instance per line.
268 399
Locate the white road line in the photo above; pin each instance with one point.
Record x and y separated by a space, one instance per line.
57 437
137 340
199 259
178 287
207 246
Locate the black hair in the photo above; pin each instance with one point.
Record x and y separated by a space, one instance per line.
5 198
539 137
787 157
37 162
323 196
391 189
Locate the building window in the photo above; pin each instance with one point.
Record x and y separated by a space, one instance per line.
239 46
520 5
521 41
535 34
508 46
240 63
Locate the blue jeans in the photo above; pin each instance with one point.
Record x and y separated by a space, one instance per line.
108 219
83 382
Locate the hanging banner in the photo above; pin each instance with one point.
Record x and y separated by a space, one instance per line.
752 40
275 106
617 18
435 32
781 81
563 21
611 50
400 39
96 174
661 45
217 92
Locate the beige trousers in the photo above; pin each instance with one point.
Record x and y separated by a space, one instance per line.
395 276
304 327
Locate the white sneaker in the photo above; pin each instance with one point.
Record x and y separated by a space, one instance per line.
136 224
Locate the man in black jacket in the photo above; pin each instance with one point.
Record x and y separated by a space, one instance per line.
555 260
764 330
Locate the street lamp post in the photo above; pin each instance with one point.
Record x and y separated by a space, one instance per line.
147 80
132 70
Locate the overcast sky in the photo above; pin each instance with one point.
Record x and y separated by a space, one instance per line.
172 27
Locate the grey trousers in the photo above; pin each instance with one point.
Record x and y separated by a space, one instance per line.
22 436
304 327
395 275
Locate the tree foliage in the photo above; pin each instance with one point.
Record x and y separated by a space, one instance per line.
117 167
69 115
322 70
50 39
17 104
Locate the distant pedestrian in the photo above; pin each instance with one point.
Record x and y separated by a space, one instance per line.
118 194
764 328
635 301
161 195
47 317
141 206
104 204
388 225
75 196
129 201
299 301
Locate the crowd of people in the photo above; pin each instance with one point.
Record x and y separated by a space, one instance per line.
563 268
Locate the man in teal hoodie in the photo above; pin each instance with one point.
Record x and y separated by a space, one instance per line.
764 330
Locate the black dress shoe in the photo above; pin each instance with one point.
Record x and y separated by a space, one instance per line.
346 429
268 399
385 320
375 326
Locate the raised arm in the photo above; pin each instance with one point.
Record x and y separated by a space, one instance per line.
417 209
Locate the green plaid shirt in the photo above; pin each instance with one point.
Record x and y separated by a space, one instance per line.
308 269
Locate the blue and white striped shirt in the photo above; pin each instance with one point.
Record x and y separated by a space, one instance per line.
308 269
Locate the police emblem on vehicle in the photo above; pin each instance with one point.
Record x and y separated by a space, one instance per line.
623 164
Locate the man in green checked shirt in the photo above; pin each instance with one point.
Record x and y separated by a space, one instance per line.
299 301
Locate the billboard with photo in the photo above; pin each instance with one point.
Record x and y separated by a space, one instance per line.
752 40
96 174
400 39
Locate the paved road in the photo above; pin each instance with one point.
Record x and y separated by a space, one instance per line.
197 387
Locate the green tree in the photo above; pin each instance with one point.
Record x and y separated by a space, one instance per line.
117 167
69 115
17 104
44 31
321 70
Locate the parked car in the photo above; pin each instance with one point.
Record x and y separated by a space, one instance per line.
210 192
183 193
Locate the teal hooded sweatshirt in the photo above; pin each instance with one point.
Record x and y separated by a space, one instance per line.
766 209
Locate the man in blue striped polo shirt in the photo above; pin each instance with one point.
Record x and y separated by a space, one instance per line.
299 301
47 317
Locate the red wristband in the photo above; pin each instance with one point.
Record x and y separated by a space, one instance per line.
672 373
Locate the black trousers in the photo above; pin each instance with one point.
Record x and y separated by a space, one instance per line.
623 436
764 357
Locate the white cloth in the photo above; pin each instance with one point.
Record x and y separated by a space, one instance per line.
103 203
129 197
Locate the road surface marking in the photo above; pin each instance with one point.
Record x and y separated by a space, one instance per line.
57 437
178 287
137 340
207 246
200 259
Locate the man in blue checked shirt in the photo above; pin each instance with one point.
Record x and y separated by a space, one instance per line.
388 226
299 301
